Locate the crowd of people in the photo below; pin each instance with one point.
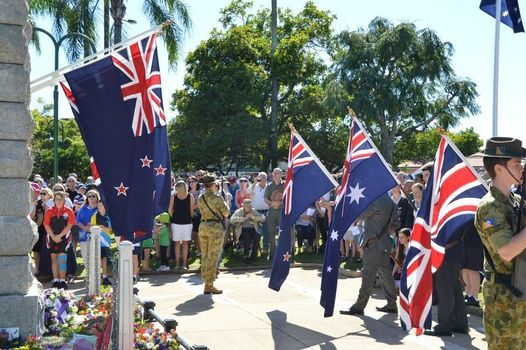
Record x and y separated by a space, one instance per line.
65 212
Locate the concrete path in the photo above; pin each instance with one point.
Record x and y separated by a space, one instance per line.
249 315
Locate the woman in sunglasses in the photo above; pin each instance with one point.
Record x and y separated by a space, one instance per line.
38 217
83 221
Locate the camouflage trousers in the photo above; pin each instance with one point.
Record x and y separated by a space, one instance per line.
211 241
504 319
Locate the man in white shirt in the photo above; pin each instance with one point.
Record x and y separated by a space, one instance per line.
257 195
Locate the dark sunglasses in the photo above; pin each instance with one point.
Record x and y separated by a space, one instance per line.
92 196
43 193
192 181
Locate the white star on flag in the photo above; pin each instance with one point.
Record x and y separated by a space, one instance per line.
334 235
146 162
286 256
505 13
160 170
329 269
356 193
121 189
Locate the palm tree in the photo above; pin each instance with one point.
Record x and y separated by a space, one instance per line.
82 16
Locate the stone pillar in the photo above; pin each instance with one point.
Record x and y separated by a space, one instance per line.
21 303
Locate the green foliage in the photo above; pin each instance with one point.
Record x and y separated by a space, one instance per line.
400 81
422 146
71 152
224 108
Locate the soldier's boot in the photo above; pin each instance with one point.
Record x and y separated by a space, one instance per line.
210 289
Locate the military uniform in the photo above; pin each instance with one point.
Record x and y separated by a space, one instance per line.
504 318
211 234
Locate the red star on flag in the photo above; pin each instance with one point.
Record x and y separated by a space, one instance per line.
121 190
146 162
160 170
286 256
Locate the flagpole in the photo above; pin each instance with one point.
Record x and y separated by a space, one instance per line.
52 78
320 165
461 155
498 13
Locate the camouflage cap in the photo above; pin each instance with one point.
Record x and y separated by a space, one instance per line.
208 179
504 147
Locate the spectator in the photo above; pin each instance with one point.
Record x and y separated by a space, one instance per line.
71 188
247 221
58 222
472 264
232 188
273 194
195 191
405 210
162 229
418 190
257 195
426 172
306 229
181 207
242 193
84 221
59 188
101 219
401 252
38 217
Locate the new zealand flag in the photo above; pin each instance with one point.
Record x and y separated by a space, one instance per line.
118 106
307 180
365 178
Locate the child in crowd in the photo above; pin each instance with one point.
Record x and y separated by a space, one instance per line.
147 246
58 221
162 231
401 252
101 219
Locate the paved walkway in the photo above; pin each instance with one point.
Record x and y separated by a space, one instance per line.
249 315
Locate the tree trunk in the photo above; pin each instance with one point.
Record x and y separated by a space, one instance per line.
387 147
106 23
275 87
118 11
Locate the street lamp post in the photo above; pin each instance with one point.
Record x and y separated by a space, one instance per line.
57 44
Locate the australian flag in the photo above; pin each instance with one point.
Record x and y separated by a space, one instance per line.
307 180
365 178
510 14
117 103
450 199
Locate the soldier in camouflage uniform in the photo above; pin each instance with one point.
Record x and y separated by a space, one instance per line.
504 318
213 210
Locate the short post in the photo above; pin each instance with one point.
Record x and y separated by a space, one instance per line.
93 263
125 297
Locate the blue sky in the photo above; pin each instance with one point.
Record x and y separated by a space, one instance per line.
460 22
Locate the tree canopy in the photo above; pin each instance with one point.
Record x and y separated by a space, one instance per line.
400 80
224 107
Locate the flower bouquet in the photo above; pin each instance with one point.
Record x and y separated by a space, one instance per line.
149 336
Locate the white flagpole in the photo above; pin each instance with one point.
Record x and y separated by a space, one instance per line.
498 13
53 78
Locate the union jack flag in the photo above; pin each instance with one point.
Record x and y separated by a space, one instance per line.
450 199
307 180
144 85
365 178
298 158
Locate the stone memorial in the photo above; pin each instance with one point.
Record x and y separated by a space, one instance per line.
21 303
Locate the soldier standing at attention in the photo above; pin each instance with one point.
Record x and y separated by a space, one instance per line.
213 212
504 318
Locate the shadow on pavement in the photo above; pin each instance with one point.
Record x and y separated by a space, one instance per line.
304 337
160 280
390 335
199 303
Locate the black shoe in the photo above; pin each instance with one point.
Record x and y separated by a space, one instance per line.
461 330
471 301
135 280
56 284
388 309
435 333
63 285
351 311
106 281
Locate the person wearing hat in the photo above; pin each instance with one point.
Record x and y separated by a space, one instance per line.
213 213
504 318
162 232
247 221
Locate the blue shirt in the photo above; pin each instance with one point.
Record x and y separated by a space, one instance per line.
84 217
